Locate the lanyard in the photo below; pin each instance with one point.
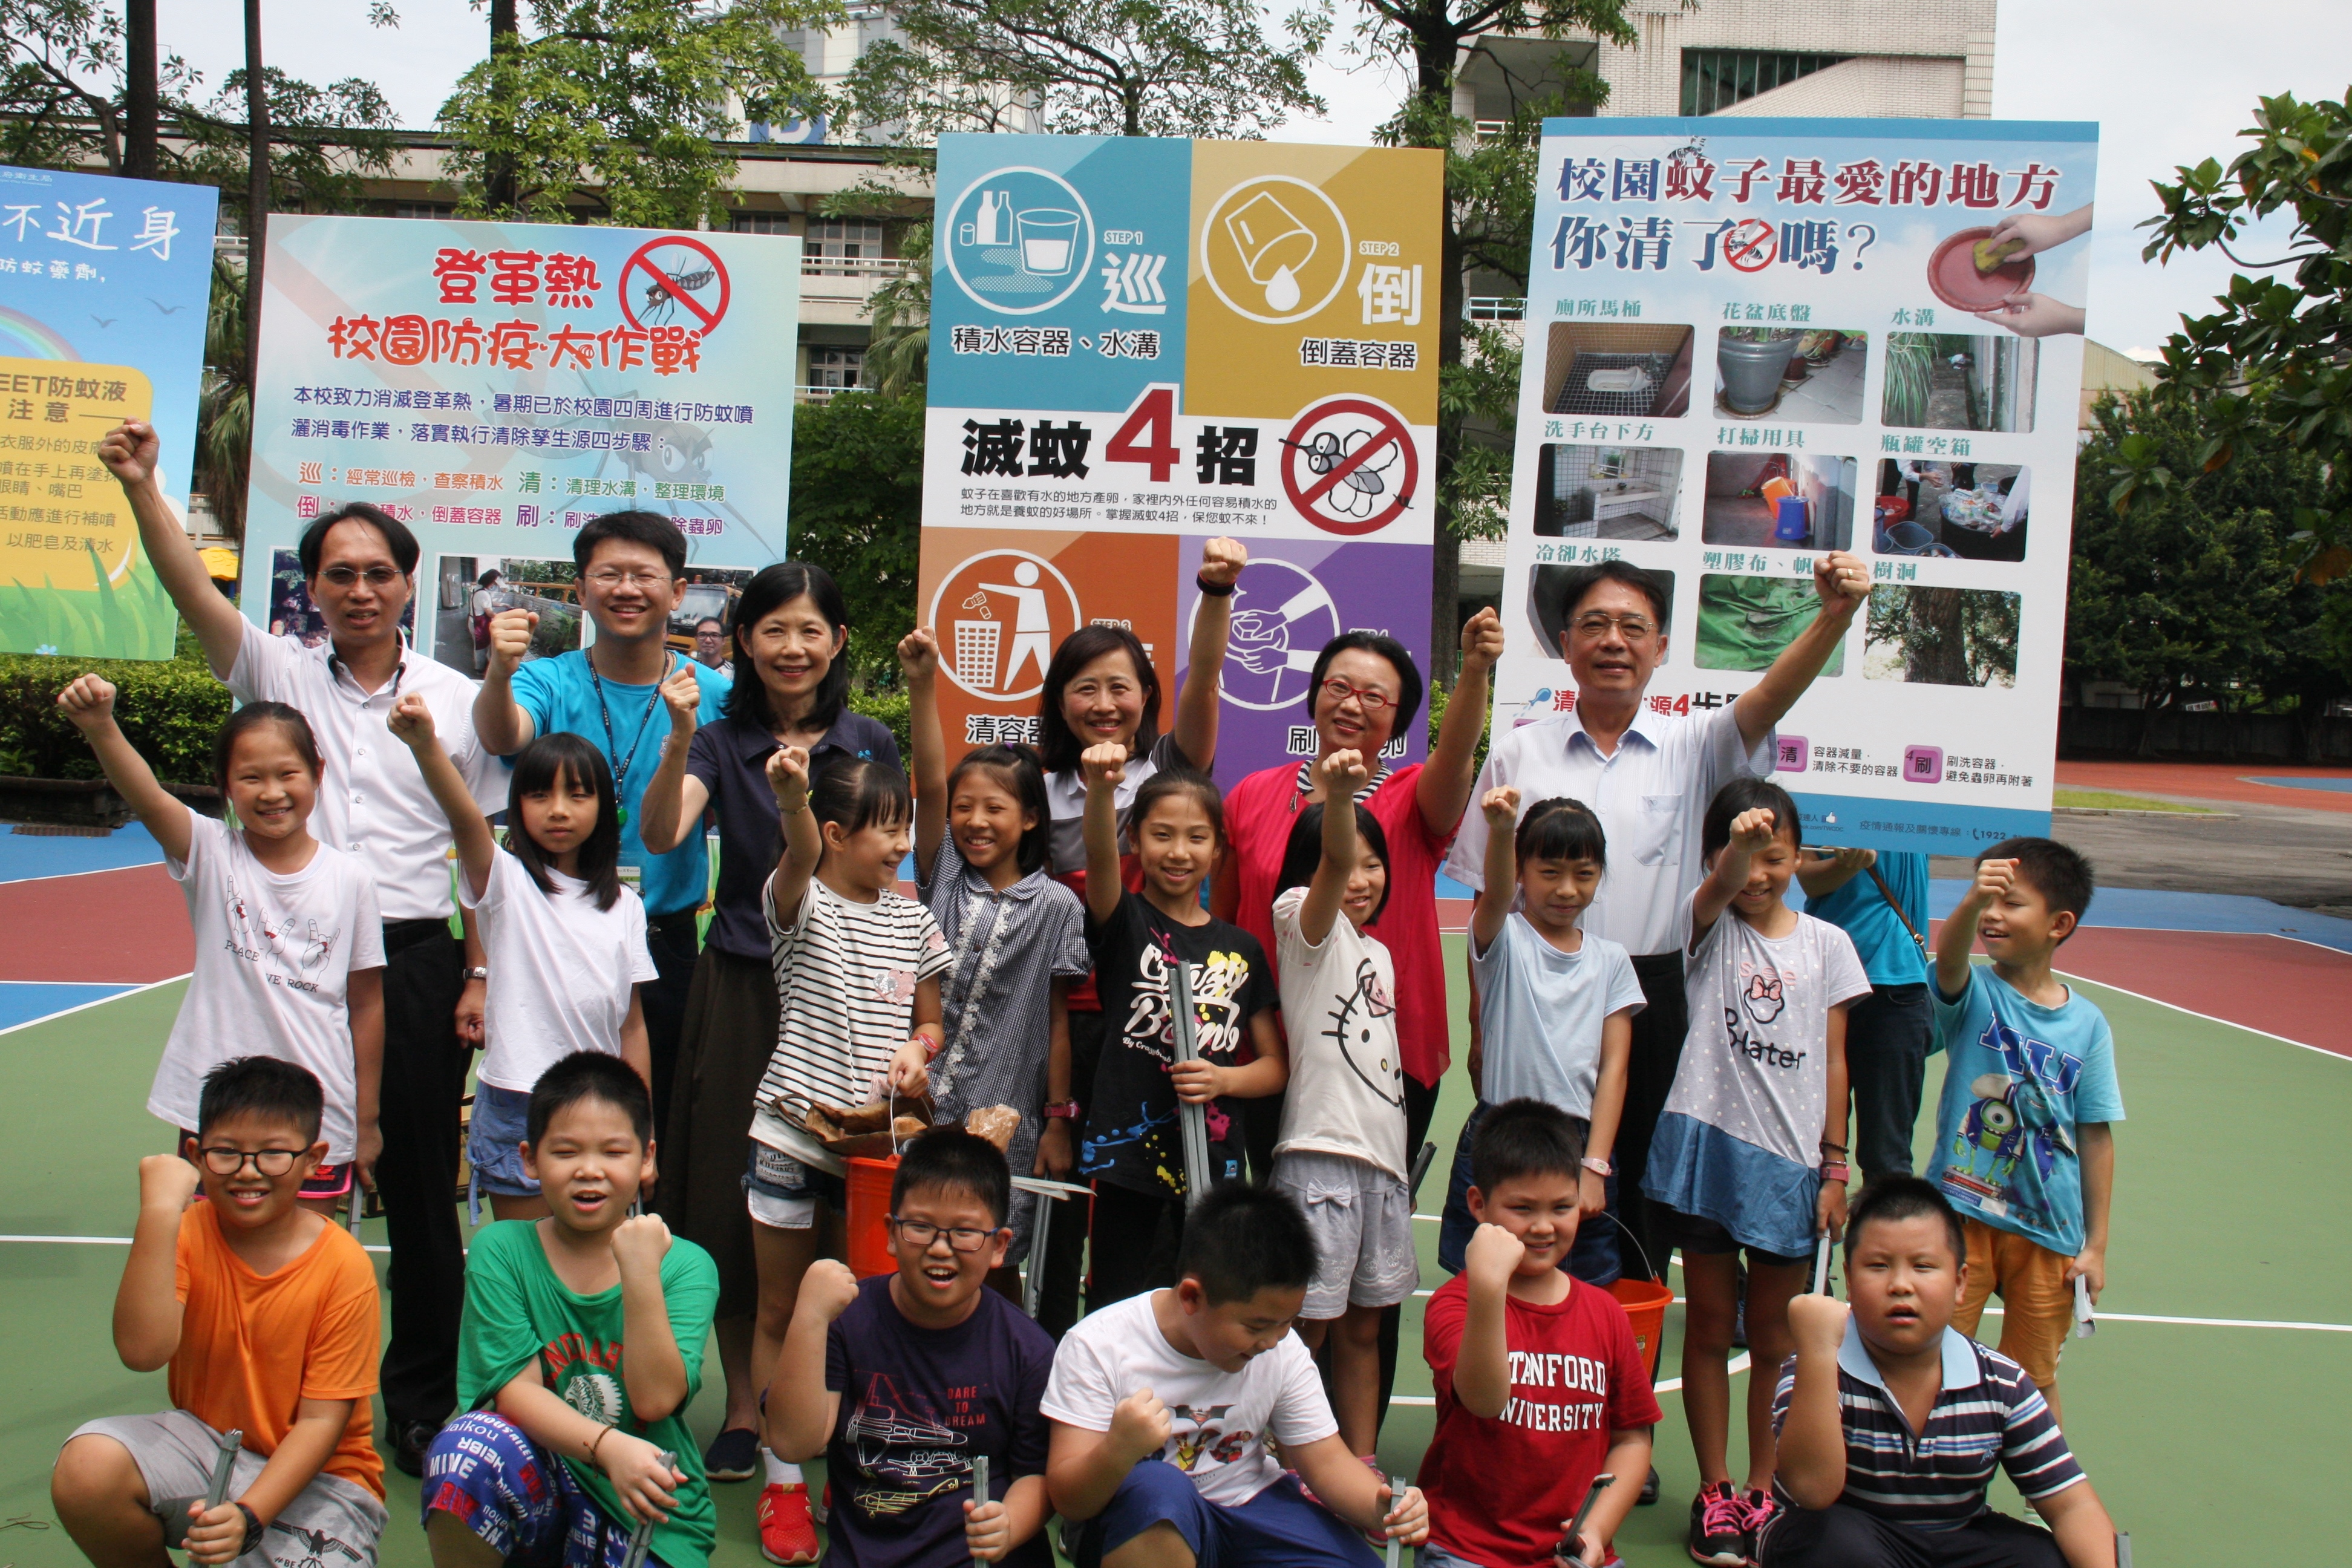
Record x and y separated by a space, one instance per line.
621 760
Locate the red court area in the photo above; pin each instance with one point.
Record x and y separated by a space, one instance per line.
2210 781
2273 983
123 927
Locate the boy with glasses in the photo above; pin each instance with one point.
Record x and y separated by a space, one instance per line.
266 1314
901 1381
623 692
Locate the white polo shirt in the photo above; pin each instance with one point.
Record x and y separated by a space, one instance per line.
372 802
1651 797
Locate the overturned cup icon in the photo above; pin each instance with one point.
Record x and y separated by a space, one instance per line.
1274 246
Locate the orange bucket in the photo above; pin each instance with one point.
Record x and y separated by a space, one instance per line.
1775 490
870 1216
1646 1303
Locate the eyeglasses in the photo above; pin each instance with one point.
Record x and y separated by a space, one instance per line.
1371 698
607 578
374 577
1631 627
229 1162
919 1234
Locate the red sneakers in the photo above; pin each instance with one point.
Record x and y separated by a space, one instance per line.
787 1533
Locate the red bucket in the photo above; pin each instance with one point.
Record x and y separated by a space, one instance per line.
1646 1303
870 1216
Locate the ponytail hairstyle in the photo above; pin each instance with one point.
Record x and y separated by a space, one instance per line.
1016 771
1303 853
1180 781
1561 829
254 715
855 793
548 763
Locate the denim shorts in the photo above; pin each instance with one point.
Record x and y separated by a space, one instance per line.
782 1193
494 1142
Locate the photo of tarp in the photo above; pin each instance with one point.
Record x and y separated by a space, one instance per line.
1942 381
1941 636
1548 615
1745 621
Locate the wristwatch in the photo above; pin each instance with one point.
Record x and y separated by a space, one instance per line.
478 972
1598 1167
1064 1111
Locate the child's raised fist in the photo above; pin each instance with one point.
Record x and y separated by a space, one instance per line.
1343 774
828 1290
1222 561
1140 1424
89 703
1994 878
681 693
1751 830
166 1181
1501 805
411 720
1493 1255
919 654
788 778
1103 765
1818 1323
131 451
641 1242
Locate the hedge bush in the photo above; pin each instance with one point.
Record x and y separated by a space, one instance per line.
169 710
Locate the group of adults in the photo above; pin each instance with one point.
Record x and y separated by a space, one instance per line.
711 1016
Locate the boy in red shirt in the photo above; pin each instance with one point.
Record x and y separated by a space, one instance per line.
1540 1386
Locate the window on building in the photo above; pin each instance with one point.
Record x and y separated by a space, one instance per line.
835 368
841 240
760 223
423 209
1714 79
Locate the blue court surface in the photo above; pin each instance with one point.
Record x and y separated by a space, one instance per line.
2340 785
25 854
22 1001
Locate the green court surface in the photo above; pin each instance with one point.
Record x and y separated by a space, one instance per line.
2211 1437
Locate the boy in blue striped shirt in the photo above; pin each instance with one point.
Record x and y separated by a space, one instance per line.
1890 1420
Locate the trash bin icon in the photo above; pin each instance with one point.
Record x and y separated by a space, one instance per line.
1274 246
1049 235
976 644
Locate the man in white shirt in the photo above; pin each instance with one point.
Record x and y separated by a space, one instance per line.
1649 778
360 567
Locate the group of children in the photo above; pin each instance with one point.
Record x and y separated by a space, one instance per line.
1181 1422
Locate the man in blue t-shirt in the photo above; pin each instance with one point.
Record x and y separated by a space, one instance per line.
618 692
1880 901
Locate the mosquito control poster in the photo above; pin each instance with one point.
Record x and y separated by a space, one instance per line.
1140 344
495 386
103 284
1750 341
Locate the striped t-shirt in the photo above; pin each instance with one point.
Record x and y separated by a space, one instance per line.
1988 1412
845 979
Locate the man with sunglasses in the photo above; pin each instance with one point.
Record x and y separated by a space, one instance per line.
1648 776
359 566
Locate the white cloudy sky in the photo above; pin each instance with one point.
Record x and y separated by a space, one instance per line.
2170 82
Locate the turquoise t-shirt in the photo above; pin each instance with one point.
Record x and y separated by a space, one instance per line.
559 695
2018 1079
1888 955
518 1312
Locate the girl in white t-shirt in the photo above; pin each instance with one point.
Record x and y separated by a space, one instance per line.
563 939
290 947
1341 1151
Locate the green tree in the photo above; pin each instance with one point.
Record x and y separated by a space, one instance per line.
858 505
614 110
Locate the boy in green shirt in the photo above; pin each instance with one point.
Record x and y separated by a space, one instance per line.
582 1341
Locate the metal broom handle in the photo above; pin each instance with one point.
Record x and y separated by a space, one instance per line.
1192 1119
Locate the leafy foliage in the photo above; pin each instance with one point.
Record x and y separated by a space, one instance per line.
898 353
857 503
169 710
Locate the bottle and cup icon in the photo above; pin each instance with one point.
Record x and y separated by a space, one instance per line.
1043 239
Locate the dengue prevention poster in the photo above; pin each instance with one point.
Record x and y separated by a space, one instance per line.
1140 344
1750 341
495 386
103 287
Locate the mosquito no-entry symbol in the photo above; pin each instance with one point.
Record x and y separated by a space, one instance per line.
1349 466
1751 247
675 281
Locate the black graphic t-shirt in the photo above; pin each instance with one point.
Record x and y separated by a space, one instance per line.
916 1406
1132 1138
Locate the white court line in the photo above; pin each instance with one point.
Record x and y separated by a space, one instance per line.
85 1006
61 875
2208 1017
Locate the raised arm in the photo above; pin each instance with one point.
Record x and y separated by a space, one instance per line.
1343 774
412 723
1956 938
918 660
1825 872
1608 1109
671 807
1493 905
653 1370
1813 1433
1751 832
1443 792
1481 1365
89 703
499 718
1222 561
131 451
788 779
147 1308
799 1410
1102 767
1843 583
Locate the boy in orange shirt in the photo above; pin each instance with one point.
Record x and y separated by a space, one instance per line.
267 1315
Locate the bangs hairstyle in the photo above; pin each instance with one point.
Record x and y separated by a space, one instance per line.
542 767
264 1087
654 532
1748 793
770 590
1523 1138
403 545
2056 871
948 1159
253 716
589 1075
1179 781
1400 658
1899 1197
1016 771
1240 1240
1058 747
1561 829
1303 853
855 793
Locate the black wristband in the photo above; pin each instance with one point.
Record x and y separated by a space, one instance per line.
253 1529
1214 590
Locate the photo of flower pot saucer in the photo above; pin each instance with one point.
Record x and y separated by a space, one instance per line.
1952 273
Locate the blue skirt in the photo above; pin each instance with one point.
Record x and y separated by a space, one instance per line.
1763 1200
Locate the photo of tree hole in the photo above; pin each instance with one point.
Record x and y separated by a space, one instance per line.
1941 636
1745 621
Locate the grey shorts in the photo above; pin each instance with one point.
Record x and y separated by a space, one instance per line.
1362 1221
330 1523
782 1193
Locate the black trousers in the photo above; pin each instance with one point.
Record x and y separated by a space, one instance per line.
1064 1261
1887 1034
1658 1030
674 943
416 1175
1419 1108
1839 1536
1136 1239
